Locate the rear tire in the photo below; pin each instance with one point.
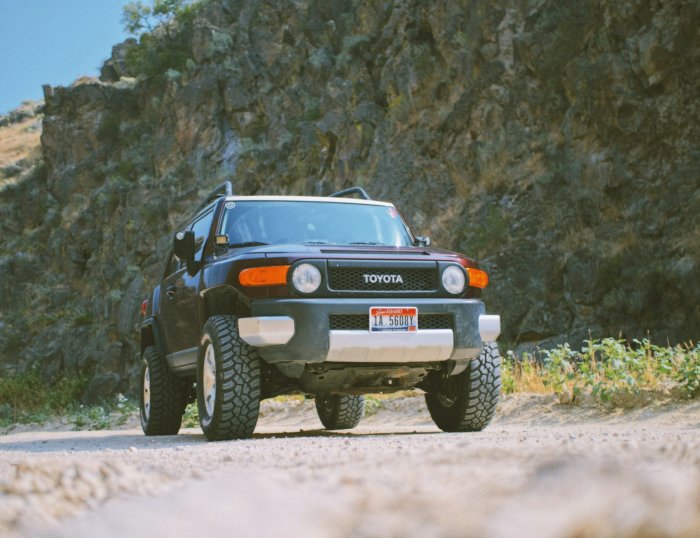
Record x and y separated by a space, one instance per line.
467 402
163 396
228 382
340 412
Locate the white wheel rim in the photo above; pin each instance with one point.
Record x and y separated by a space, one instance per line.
209 378
147 394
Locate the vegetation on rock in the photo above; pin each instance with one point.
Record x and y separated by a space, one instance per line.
556 141
163 31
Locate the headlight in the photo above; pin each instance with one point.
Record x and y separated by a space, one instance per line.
453 279
306 278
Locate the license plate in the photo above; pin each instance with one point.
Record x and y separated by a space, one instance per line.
393 318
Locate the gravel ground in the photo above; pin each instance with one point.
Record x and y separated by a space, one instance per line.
541 469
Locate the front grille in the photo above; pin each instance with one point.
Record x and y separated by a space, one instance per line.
360 322
434 321
353 279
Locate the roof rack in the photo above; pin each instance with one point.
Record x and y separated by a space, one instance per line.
225 189
353 190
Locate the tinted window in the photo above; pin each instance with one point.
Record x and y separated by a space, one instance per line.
201 228
173 265
278 222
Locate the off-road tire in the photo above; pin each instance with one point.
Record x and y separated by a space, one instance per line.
467 402
162 403
340 412
236 404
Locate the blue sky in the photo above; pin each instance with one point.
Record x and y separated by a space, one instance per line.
53 42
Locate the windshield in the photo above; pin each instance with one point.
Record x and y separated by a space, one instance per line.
277 222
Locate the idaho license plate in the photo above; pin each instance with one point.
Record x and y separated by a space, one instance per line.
393 318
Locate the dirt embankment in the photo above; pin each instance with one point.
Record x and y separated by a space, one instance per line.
541 469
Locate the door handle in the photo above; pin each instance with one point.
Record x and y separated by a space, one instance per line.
170 291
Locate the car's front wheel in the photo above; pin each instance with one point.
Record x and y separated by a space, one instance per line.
467 402
163 396
228 382
340 412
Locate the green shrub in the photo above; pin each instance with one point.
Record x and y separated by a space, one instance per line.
607 369
688 371
191 417
91 418
28 398
373 405
164 29
109 130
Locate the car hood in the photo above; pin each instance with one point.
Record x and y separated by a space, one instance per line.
345 251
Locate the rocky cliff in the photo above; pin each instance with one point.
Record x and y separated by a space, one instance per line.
557 141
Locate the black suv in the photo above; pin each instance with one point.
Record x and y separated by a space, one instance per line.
326 296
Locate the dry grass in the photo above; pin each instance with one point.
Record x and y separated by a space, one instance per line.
19 144
526 376
20 141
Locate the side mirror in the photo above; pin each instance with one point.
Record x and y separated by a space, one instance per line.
184 246
422 241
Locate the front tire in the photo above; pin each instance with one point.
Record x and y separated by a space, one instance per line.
467 402
228 382
163 396
340 412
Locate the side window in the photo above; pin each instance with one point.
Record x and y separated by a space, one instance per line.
201 228
173 266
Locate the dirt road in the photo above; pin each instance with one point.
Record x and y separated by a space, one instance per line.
541 469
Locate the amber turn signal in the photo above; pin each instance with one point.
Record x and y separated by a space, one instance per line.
477 278
274 275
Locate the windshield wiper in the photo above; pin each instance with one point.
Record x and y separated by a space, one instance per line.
370 243
321 242
247 244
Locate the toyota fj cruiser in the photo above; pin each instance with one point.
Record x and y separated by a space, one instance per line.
325 296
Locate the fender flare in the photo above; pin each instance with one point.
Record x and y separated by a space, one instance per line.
150 336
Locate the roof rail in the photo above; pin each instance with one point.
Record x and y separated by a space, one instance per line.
353 190
225 189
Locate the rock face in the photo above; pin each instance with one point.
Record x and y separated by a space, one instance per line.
557 142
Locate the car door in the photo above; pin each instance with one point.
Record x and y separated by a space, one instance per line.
173 281
179 300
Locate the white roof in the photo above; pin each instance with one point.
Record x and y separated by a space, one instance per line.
325 199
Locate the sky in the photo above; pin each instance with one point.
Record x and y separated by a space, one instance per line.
53 42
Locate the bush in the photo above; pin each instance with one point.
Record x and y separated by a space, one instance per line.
28 398
606 369
164 30
152 57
